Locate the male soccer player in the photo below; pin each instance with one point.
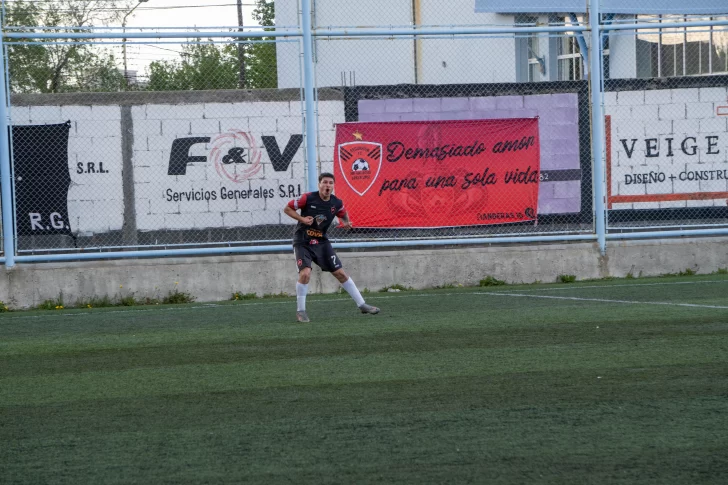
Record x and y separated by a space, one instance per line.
310 243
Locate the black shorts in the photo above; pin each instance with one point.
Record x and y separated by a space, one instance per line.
321 253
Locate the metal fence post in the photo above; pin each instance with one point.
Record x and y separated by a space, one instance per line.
309 93
597 114
5 172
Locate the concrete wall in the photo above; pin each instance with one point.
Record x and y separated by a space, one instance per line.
216 278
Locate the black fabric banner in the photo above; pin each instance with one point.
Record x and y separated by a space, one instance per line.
42 179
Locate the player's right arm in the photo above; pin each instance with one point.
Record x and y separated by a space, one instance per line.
292 207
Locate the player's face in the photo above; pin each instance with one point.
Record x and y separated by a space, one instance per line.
326 187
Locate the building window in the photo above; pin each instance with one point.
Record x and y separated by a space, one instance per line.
534 60
568 55
530 64
682 51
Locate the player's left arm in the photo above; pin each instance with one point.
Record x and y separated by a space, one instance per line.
344 218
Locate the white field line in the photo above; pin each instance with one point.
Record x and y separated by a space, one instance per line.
601 300
387 297
579 287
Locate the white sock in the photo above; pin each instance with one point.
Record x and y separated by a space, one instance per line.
301 291
352 290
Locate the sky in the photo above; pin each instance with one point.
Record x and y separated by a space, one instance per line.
181 14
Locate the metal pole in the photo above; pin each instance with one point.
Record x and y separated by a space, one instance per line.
5 170
241 48
123 42
309 93
597 125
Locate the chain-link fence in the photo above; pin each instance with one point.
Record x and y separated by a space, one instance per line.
474 125
171 163
667 144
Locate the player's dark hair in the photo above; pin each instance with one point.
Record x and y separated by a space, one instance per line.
326 175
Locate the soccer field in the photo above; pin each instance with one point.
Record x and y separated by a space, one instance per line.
621 381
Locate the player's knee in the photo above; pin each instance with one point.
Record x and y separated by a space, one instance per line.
304 276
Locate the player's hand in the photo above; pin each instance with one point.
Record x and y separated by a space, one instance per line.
346 224
308 220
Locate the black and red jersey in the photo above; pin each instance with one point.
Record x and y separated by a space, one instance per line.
323 213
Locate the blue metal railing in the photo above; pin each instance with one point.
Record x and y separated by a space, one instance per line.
306 35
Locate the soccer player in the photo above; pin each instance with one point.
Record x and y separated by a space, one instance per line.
310 243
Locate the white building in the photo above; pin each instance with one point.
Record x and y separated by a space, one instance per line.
477 59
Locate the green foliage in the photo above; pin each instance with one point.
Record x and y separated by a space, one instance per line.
491 281
208 65
722 271
128 300
176 297
282 294
566 278
243 296
58 65
96 302
3 307
203 66
686 272
629 276
52 304
447 286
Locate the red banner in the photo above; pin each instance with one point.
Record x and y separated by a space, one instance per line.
438 173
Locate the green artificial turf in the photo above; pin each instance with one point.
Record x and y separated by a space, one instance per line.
479 385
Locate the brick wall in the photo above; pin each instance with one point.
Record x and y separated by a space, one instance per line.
668 148
207 194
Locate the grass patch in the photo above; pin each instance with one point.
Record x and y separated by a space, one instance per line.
685 272
447 286
566 278
176 297
97 302
243 296
52 304
128 300
491 281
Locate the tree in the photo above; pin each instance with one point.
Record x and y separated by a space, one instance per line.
261 68
203 66
61 65
210 65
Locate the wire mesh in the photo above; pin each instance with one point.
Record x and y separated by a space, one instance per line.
666 125
183 158
205 149
427 90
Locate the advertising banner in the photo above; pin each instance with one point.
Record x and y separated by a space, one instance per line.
438 173
42 179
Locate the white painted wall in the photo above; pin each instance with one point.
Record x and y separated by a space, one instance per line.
675 134
96 200
95 137
392 61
